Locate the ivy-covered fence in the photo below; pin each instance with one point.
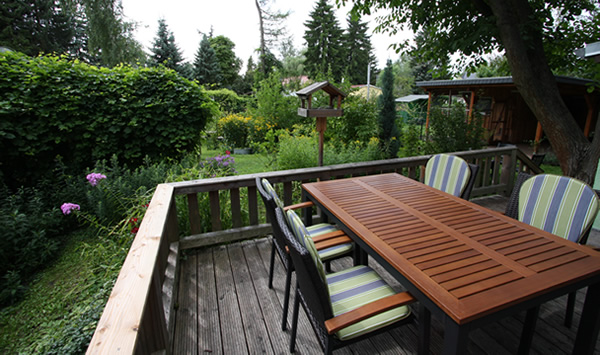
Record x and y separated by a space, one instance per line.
52 108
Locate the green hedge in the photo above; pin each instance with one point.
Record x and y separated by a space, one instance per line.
52 108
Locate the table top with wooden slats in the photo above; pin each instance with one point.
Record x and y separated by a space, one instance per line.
469 260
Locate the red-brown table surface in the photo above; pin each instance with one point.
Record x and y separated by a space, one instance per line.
457 257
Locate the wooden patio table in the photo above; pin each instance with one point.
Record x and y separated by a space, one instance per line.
466 264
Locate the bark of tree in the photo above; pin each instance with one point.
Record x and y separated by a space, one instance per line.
536 83
261 27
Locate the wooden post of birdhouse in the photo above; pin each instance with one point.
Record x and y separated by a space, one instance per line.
321 114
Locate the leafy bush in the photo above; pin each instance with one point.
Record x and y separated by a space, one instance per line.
51 107
228 100
358 123
278 108
450 130
235 130
296 152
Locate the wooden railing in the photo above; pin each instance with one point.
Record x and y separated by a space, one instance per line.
138 315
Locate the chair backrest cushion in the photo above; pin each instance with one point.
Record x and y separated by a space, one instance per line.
560 205
271 190
305 240
447 173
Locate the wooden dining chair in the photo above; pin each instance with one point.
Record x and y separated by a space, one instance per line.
560 205
343 307
451 174
333 243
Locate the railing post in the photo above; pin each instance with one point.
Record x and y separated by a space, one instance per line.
508 170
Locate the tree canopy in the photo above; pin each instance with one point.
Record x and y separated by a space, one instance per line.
164 49
359 52
206 65
324 38
536 36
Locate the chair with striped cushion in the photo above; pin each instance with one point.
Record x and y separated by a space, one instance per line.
562 206
343 307
450 174
332 242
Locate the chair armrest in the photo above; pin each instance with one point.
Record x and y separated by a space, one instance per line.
359 314
322 237
298 205
332 242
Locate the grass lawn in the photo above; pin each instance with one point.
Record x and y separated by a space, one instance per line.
244 163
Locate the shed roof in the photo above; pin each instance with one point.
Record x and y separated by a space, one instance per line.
495 81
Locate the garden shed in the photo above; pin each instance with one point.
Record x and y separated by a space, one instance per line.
506 116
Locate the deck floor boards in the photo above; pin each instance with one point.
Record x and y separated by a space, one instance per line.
226 307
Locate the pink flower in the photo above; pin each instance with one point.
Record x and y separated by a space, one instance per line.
227 152
134 230
93 178
66 208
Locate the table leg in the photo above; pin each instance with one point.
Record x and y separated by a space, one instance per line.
307 211
587 334
528 330
424 330
455 338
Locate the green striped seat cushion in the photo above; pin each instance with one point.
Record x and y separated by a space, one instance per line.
329 253
447 173
271 190
357 286
560 205
301 232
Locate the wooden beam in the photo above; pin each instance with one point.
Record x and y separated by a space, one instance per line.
428 113
471 104
538 137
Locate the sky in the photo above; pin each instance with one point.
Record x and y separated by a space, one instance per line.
237 20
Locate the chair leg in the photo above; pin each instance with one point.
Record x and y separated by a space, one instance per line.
286 300
294 323
570 308
272 264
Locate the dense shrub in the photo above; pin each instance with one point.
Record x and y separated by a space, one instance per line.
235 129
358 123
228 100
451 130
51 107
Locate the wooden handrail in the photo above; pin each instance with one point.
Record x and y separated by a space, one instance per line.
136 318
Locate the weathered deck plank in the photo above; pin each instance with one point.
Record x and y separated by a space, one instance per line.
248 317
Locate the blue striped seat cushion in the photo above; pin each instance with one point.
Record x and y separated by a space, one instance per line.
355 287
560 205
447 173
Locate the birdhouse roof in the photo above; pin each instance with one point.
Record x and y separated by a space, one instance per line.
323 85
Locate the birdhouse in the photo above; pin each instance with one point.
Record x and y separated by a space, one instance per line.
333 110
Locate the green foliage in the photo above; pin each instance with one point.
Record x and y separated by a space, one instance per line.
164 49
389 134
359 52
301 151
495 66
235 129
412 144
274 105
324 38
229 64
228 100
51 107
207 69
451 130
358 123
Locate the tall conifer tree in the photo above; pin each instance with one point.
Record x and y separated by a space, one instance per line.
389 134
324 38
206 65
164 49
359 52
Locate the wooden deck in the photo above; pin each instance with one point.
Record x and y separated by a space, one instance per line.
226 307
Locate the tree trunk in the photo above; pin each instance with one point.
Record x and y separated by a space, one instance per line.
263 45
522 40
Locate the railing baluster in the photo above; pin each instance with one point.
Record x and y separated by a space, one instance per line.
236 213
287 193
252 205
194 213
215 210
